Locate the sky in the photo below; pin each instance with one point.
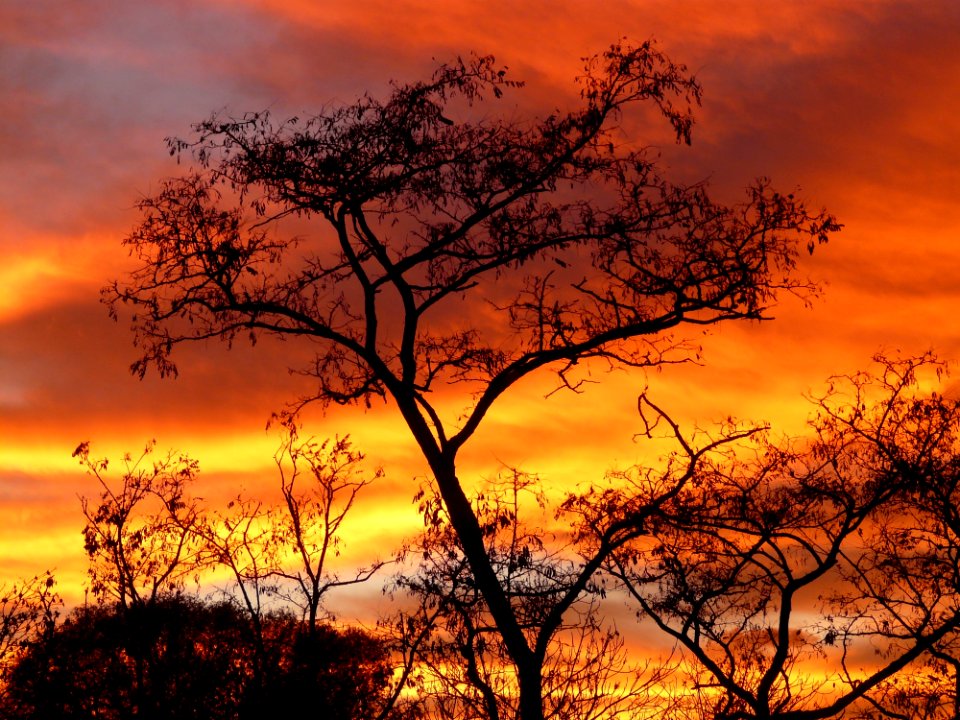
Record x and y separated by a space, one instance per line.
856 104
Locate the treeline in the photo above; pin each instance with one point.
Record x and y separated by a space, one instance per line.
181 657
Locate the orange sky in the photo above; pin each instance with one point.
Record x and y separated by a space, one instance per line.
856 102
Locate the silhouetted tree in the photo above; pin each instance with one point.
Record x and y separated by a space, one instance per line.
319 482
731 566
139 535
562 230
280 556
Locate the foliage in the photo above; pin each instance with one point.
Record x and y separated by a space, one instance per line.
179 657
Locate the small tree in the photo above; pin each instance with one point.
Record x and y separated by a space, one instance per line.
139 535
283 554
319 482
457 247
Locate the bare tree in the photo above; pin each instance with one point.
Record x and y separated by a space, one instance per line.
287 551
319 482
732 565
429 209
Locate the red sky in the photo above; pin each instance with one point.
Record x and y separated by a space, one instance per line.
856 102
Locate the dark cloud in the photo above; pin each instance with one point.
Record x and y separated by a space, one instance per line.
870 105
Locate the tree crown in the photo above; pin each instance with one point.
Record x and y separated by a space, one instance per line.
455 249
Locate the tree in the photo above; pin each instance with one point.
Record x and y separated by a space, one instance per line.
139 536
562 229
280 556
861 516
315 508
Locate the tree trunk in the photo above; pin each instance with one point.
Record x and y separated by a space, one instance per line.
464 522
531 691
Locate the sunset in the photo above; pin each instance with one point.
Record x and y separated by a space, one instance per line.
841 116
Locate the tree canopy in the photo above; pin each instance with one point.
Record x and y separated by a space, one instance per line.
561 227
